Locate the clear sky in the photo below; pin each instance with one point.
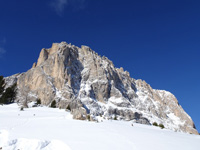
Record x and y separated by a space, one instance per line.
155 40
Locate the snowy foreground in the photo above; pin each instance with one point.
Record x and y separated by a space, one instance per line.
43 128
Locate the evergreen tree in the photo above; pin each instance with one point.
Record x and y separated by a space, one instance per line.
1 84
9 95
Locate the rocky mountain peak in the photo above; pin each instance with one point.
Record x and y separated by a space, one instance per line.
90 84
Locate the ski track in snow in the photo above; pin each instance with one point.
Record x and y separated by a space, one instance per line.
43 128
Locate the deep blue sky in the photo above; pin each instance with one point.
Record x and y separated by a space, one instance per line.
158 41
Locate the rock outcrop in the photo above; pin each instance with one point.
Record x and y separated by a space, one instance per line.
90 84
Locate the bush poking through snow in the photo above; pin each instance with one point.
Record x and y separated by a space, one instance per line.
155 124
68 108
115 118
88 118
53 104
161 126
22 109
38 101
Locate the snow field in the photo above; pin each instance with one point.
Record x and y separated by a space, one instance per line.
43 128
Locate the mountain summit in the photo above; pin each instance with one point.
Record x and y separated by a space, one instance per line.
90 85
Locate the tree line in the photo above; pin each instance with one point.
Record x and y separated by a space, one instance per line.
7 95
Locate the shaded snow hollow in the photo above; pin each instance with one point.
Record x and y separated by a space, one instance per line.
44 128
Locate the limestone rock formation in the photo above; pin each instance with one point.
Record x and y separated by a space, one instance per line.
90 84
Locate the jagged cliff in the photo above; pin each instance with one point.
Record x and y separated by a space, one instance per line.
90 84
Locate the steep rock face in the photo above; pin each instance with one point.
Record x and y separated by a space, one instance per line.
164 108
90 84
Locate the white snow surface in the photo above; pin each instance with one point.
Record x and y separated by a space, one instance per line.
43 128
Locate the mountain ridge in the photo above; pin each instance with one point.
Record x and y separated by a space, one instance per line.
91 85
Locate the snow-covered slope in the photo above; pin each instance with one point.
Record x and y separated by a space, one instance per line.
43 128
